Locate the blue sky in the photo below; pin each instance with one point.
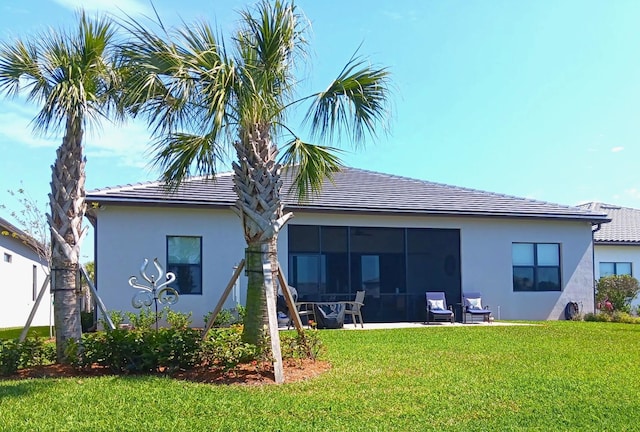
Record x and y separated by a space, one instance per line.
537 99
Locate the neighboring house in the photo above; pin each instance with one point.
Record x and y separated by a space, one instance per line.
617 243
395 237
22 273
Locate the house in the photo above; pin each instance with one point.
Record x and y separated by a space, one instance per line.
617 243
392 236
22 273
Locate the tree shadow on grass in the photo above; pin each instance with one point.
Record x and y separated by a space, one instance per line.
20 388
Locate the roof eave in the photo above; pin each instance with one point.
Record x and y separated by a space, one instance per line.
617 242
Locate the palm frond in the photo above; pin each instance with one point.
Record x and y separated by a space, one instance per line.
311 165
270 40
180 82
356 101
180 155
69 72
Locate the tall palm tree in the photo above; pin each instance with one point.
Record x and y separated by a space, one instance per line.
71 75
202 99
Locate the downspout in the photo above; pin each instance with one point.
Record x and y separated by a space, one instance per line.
593 260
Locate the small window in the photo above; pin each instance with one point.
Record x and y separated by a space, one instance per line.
7 257
536 266
615 268
184 259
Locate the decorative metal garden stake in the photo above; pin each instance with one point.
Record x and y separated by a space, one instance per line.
154 292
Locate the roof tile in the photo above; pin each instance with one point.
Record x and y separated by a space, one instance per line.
624 227
356 190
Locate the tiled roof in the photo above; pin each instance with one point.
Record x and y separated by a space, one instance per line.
355 190
624 227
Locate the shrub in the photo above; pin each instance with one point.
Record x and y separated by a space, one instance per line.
178 320
9 356
227 317
615 316
16 355
306 344
144 319
223 347
616 292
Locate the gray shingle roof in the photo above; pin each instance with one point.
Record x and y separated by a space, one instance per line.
624 227
355 190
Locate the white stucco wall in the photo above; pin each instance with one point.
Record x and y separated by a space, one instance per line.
619 253
127 235
16 285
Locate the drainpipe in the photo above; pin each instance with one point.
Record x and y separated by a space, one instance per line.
593 260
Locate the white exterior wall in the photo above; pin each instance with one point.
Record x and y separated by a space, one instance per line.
619 253
127 235
16 285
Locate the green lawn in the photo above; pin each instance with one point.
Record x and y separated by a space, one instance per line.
14 332
555 376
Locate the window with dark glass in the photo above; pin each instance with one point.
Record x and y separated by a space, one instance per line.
536 266
184 259
615 268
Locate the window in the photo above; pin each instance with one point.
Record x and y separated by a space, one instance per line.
536 266
7 257
615 268
184 259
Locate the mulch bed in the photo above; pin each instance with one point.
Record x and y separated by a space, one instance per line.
244 374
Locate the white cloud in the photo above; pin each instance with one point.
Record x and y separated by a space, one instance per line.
128 144
16 128
617 149
130 7
633 193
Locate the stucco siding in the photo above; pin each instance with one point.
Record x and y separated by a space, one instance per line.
128 235
17 285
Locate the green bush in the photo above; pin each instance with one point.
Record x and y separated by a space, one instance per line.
618 291
615 316
9 356
144 319
306 344
178 320
223 347
227 317
16 355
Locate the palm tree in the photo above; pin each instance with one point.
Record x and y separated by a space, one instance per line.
202 99
71 75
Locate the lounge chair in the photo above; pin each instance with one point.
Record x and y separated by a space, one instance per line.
353 308
437 309
473 306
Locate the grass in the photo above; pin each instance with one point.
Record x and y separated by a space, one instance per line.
14 332
554 376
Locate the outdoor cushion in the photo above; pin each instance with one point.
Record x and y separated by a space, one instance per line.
437 304
475 303
479 311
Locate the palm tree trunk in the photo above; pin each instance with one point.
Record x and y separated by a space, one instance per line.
257 183
65 221
256 314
